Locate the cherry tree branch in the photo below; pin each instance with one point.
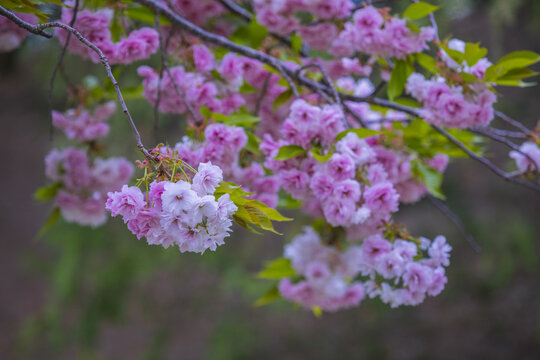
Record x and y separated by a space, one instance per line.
445 210
39 30
59 63
317 87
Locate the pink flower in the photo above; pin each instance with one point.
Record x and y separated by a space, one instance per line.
207 178
382 198
339 212
523 162
341 167
128 202
368 19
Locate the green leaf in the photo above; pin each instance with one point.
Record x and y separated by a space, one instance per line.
519 59
286 201
430 177
237 119
47 192
277 269
296 43
253 143
319 157
282 99
51 220
144 14
473 53
317 311
252 34
205 112
360 132
271 295
427 62
289 151
456 55
398 78
418 10
246 88
511 62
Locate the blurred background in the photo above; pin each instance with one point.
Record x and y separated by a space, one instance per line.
78 293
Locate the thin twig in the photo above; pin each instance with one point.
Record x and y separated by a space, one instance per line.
457 222
510 177
59 65
39 30
512 122
263 93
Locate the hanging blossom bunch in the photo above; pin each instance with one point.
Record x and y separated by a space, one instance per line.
78 124
11 35
400 272
212 83
285 109
459 105
184 213
95 27
372 31
356 186
80 181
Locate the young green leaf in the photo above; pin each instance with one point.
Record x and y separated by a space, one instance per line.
399 76
289 151
360 132
271 295
277 269
418 10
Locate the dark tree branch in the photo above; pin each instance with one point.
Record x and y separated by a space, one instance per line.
39 30
457 222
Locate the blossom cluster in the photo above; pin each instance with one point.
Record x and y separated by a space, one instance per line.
368 30
214 83
400 272
12 35
326 272
357 187
279 16
183 213
95 27
459 105
83 183
371 32
78 124
452 106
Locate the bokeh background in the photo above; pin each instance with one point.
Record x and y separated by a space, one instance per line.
78 293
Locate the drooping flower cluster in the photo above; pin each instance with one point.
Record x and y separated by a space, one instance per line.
357 187
399 272
78 124
183 213
459 105
410 271
212 83
373 33
523 162
325 271
95 27
83 183
279 16
452 106
80 179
